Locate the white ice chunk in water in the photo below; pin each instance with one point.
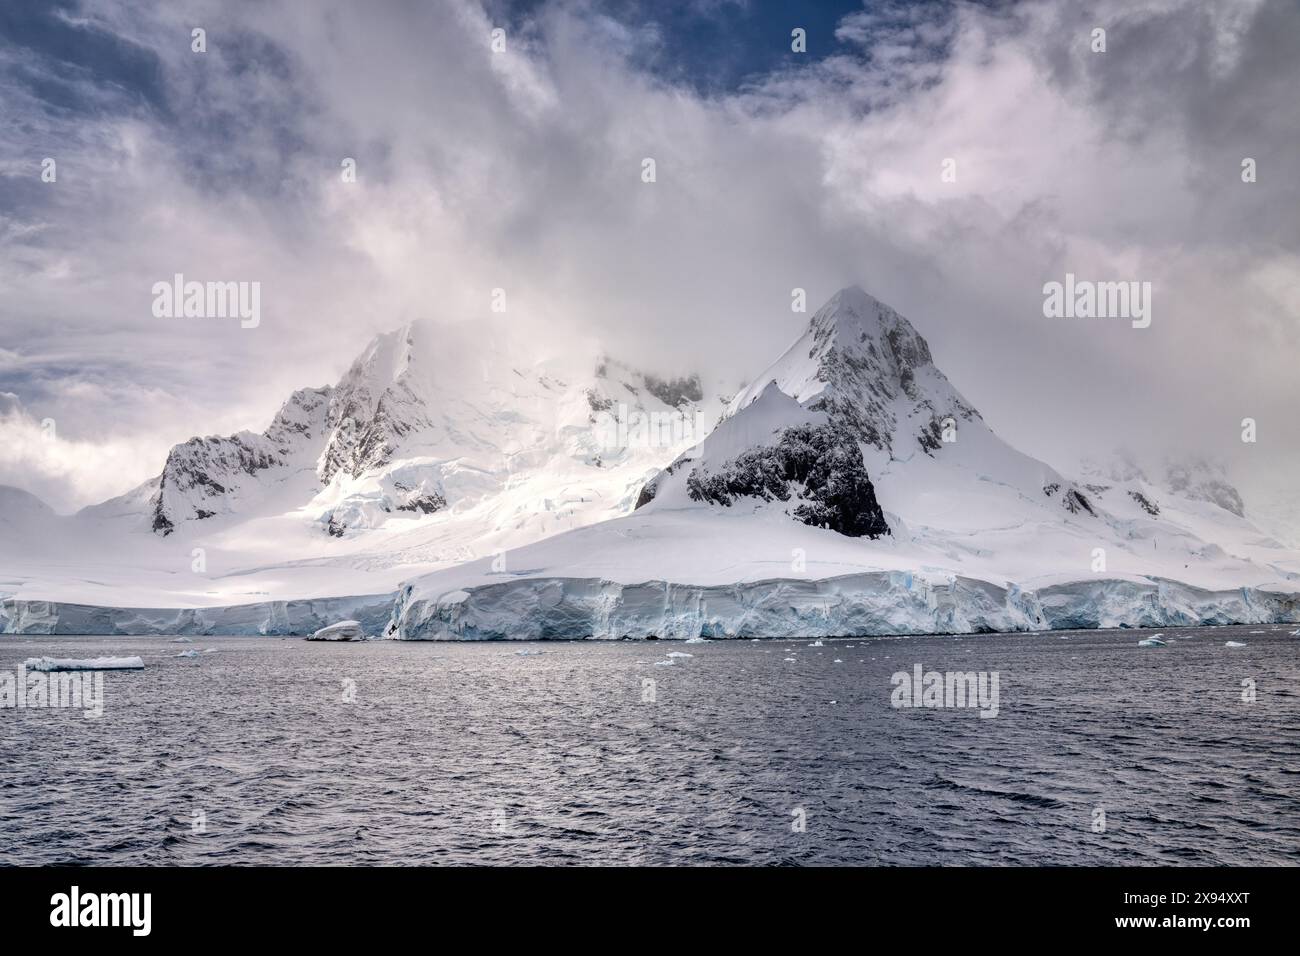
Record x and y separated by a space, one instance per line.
88 664
342 631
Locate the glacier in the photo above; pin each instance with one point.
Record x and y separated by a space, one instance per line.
856 605
268 618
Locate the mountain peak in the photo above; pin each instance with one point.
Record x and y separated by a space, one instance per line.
865 365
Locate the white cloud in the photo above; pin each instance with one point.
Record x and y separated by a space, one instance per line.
522 170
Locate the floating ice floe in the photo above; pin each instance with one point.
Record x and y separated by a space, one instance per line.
188 654
816 643
183 640
1152 642
527 652
342 631
695 640
1234 644
790 659
88 664
837 661
679 654
663 663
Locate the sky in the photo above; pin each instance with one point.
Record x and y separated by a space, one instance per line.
522 170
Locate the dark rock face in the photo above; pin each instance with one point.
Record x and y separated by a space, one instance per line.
647 495
425 504
161 523
1073 501
821 466
360 439
1149 506
674 392
1076 502
598 403
213 470
872 358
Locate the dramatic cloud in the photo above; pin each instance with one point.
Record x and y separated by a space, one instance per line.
522 170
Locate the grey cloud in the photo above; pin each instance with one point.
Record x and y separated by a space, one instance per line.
523 171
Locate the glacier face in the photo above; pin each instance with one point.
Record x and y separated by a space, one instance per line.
268 618
858 605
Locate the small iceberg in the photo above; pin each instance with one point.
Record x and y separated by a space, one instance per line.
342 631
188 654
816 643
837 661
528 652
679 654
695 640
1152 642
663 663
89 664
182 640
790 659
1234 644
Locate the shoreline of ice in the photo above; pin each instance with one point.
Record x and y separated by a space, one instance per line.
871 604
865 604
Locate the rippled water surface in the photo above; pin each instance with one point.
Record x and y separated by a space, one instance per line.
283 751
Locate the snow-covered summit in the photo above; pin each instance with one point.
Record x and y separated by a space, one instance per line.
205 477
854 417
870 371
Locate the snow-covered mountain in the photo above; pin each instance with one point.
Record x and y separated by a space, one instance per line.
477 491
852 489
857 401
437 445
427 418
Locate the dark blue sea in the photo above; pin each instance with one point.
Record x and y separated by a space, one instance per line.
280 751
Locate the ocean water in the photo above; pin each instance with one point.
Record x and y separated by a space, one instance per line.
280 751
